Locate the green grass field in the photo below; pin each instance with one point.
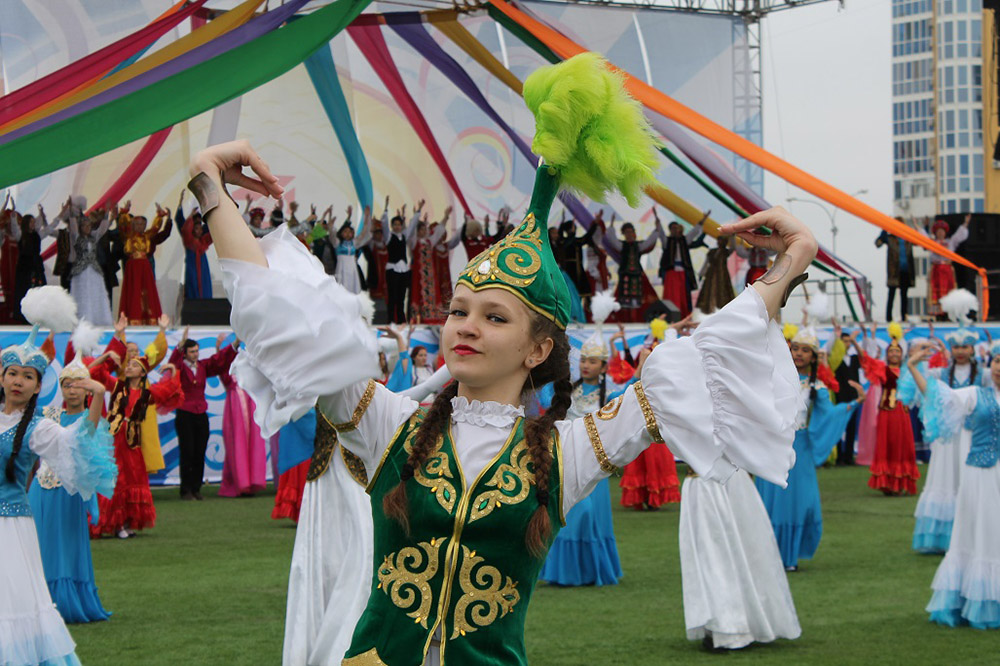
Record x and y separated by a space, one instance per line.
207 586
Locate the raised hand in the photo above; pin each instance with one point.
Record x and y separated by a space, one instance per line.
164 322
120 326
227 160
858 388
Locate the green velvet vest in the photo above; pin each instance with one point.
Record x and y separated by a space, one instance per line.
465 569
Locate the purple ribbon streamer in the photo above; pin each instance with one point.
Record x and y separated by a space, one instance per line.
251 30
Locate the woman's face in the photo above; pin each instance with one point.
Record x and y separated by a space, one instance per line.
421 229
19 384
420 358
134 369
962 354
487 338
894 356
591 368
995 370
72 395
802 356
85 226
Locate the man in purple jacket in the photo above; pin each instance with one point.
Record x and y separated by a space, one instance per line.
191 420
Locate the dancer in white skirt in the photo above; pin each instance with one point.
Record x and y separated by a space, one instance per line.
31 629
734 583
347 247
330 578
967 583
87 282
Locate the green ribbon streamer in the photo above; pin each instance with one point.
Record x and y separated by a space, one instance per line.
174 99
715 192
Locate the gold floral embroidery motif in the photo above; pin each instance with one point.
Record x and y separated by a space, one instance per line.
610 410
647 412
487 595
369 658
359 411
598 446
513 261
509 484
435 472
405 576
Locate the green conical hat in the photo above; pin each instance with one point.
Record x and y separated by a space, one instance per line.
522 262
593 138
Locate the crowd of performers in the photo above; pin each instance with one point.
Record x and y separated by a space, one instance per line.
433 500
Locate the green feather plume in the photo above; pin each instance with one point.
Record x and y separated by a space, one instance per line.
588 127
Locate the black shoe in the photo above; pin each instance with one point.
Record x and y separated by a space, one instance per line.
197 495
186 495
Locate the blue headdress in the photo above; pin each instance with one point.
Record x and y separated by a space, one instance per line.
962 337
50 306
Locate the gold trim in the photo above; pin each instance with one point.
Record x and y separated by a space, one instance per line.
359 411
610 410
647 412
595 443
405 577
435 472
512 476
557 453
524 299
496 597
369 658
388 449
354 465
324 443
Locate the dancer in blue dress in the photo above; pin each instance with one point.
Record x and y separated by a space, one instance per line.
31 629
584 552
61 518
795 511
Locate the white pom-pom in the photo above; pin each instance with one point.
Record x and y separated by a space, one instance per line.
602 305
957 303
50 307
367 306
819 307
86 339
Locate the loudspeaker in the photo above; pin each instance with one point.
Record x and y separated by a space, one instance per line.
663 308
206 312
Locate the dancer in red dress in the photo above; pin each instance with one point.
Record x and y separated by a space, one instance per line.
675 262
140 302
942 272
131 507
425 302
894 463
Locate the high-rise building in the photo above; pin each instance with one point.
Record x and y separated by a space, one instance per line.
937 114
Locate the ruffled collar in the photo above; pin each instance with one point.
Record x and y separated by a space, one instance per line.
487 413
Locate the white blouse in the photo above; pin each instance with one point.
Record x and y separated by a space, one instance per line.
724 398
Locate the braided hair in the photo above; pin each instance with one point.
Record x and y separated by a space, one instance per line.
602 392
972 374
537 434
119 405
22 429
813 370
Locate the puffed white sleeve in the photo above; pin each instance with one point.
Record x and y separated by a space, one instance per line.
723 399
81 455
304 335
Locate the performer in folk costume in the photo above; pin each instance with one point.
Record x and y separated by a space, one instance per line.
131 508
348 273
330 577
78 454
630 290
197 240
942 279
378 256
140 302
894 462
30 267
584 552
10 234
62 264
795 510
61 518
735 587
424 292
966 588
504 334
244 468
900 271
676 270
716 283
757 260
86 273
398 269
573 260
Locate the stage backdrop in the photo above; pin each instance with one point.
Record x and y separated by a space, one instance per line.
637 335
694 58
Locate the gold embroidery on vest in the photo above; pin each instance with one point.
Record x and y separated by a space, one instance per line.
323 446
369 658
513 261
509 484
435 472
355 466
610 410
487 595
405 576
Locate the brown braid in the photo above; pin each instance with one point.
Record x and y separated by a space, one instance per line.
435 422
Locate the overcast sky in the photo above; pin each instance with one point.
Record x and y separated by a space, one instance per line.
827 110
